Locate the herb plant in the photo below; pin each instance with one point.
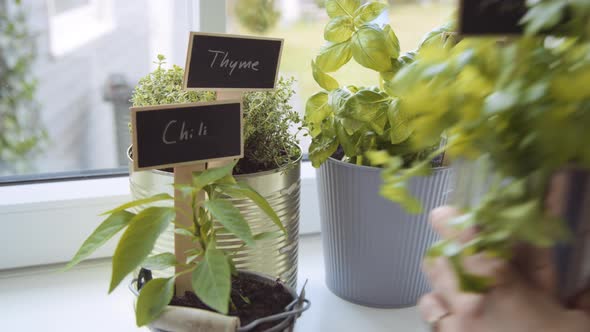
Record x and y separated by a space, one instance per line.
270 135
21 134
519 109
270 123
164 86
211 268
359 119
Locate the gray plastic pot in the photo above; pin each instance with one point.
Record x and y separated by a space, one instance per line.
373 249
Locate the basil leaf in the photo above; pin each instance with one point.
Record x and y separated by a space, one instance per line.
339 29
372 49
324 80
368 12
333 56
337 8
322 147
316 110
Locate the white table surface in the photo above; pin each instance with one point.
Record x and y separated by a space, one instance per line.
45 299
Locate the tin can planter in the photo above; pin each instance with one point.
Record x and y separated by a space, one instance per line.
276 257
176 318
373 249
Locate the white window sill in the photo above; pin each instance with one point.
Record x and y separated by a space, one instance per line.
78 301
45 223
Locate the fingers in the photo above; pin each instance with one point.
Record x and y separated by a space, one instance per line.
432 308
440 219
582 303
536 265
445 285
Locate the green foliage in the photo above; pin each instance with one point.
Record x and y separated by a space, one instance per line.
270 123
21 133
258 16
519 109
211 268
164 86
153 299
270 138
359 119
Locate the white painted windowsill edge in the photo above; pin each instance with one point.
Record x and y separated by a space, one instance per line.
45 223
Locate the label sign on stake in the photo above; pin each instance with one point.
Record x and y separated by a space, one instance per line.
491 17
227 62
184 134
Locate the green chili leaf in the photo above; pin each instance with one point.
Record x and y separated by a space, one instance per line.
155 198
242 189
153 299
212 280
160 262
138 240
105 231
231 218
209 176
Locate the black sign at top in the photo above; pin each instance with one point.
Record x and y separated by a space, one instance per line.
183 134
491 17
216 61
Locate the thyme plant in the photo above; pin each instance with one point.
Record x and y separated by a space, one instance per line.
270 123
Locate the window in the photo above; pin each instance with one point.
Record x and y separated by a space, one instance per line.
73 23
64 97
301 23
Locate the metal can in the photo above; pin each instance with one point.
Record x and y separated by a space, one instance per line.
276 257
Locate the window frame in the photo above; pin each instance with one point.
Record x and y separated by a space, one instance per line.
44 221
75 27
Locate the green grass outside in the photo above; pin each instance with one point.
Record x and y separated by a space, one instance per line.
304 39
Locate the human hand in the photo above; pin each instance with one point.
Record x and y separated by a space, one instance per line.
522 298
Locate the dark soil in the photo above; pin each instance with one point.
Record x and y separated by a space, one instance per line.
265 300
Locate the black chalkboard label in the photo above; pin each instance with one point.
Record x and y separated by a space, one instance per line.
183 134
491 17
217 61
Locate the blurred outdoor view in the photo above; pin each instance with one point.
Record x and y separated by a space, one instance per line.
67 68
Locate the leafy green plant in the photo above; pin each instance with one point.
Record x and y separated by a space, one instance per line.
164 86
270 138
270 123
211 268
258 16
360 119
21 134
520 109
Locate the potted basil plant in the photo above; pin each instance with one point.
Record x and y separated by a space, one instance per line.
516 113
372 248
271 165
218 287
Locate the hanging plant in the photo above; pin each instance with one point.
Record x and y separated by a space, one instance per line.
20 130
